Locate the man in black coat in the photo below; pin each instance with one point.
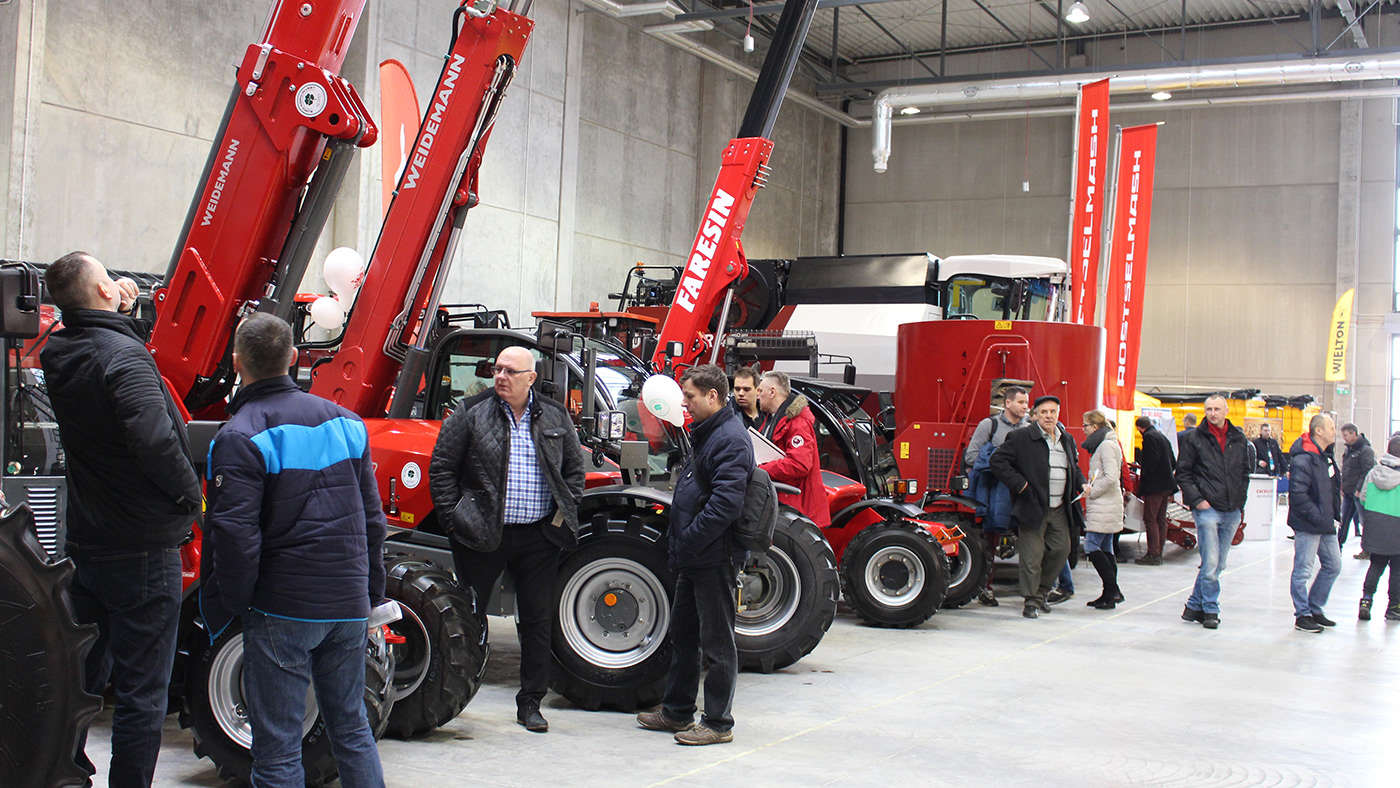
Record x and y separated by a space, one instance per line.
708 499
506 478
1358 461
132 495
1213 473
1156 483
1038 464
1314 493
1271 460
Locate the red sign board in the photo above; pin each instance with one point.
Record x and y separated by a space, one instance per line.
1127 266
1090 174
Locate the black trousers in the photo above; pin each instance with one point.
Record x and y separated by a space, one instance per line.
702 623
533 562
1373 576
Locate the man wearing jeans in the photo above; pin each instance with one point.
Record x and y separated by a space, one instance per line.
132 495
1213 473
293 544
709 498
1314 494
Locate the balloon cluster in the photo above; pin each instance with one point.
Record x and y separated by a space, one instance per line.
344 271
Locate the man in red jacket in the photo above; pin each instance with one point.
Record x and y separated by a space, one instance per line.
791 427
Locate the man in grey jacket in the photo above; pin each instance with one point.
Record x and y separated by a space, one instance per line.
506 478
994 429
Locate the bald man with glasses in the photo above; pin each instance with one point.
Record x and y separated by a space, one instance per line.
506 478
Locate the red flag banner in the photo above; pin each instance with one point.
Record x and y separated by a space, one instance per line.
1090 174
1127 263
399 118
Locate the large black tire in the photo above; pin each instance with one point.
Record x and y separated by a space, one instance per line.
439 665
613 607
789 596
214 708
969 569
894 574
42 704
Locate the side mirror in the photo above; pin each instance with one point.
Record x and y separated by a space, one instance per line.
610 425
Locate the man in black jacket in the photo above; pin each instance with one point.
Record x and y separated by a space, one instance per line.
1213 473
1156 483
1314 493
294 545
132 495
506 478
1270 460
1358 461
709 498
1039 465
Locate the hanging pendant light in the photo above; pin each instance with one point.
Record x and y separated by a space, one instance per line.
1077 14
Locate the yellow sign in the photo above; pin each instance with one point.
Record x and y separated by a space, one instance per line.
1337 335
1003 325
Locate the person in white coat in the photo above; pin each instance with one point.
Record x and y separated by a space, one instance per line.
1104 504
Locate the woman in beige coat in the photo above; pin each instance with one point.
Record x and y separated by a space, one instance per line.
1104 504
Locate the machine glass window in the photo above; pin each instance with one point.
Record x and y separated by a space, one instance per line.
621 377
974 297
465 371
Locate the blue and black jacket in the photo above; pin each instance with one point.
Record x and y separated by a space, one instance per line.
294 527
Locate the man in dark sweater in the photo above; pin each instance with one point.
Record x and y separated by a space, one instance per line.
132 496
1358 461
1270 458
1156 483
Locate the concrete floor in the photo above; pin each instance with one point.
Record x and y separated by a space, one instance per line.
980 696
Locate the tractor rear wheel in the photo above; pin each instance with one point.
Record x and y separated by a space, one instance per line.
789 596
969 569
894 574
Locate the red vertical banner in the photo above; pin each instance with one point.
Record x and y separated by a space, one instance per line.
1090 175
1127 263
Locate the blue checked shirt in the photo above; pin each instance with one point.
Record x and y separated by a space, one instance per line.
527 493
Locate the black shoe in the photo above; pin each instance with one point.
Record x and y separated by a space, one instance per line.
1030 611
1365 613
1100 599
1307 624
1150 559
1042 605
1392 613
1104 603
1211 621
1323 620
1194 616
987 598
1056 596
528 714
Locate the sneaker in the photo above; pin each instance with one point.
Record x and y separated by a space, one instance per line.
1056 596
1364 614
1392 613
987 598
658 721
1030 611
703 734
1194 616
528 714
1307 624
1362 556
1323 620
1210 621
1042 605
1151 559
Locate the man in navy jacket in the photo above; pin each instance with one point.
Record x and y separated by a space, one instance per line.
1314 498
709 498
293 544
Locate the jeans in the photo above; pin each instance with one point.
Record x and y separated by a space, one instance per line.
1065 582
1214 532
281 658
1309 601
533 562
1154 520
1101 542
1042 552
702 622
1373 577
1351 512
133 596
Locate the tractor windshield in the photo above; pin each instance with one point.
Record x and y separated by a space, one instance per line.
996 298
620 376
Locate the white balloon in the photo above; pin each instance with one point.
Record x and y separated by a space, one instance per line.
343 270
662 397
327 312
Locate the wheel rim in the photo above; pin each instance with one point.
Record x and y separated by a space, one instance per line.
226 696
411 657
780 593
894 576
961 565
614 612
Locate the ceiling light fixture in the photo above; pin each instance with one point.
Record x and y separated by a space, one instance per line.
1077 14
910 111
1161 95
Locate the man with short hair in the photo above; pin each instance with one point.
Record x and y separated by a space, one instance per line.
506 478
1039 466
132 495
708 499
294 545
990 433
1213 473
1271 460
1314 494
789 423
1188 423
746 397
1156 484
1357 461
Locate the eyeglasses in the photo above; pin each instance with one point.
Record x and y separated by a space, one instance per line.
499 370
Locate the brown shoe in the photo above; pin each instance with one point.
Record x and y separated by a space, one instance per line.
657 720
703 734
1150 559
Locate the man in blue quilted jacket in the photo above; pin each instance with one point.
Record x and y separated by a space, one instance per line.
293 544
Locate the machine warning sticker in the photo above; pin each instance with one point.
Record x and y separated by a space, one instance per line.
1003 325
411 475
311 99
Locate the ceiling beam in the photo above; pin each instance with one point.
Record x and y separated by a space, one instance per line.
769 9
1013 34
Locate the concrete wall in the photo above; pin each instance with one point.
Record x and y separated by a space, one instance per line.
599 157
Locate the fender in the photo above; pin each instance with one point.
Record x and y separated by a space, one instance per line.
958 500
886 505
624 494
